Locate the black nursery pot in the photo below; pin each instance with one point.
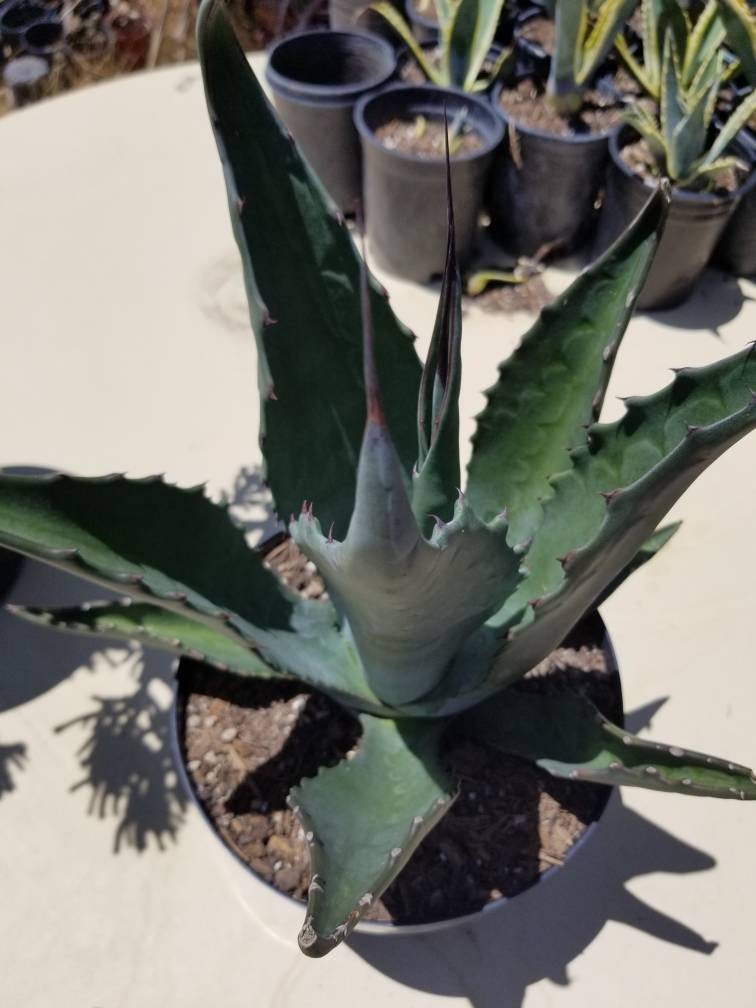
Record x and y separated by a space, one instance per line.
44 38
17 16
736 250
405 195
543 186
694 225
316 77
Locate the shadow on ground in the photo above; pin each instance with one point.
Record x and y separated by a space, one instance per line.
535 937
716 299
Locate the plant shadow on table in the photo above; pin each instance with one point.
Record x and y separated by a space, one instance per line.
715 301
495 960
125 756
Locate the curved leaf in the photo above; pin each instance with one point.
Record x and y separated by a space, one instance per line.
567 736
554 384
619 488
154 627
363 820
302 273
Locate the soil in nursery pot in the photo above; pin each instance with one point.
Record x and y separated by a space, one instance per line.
638 157
247 742
525 103
425 138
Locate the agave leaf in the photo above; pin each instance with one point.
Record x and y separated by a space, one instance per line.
567 736
740 25
502 61
403 30
562 86
642 72
702 168
302 274
364 818
610 18
554 384
687 141
704 41
175 549
730 130
437 478
618 489
671 109
472 28
154 627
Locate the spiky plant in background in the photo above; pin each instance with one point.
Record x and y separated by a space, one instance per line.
438 600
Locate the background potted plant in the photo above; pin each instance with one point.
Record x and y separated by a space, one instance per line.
676 144
316 78
547 176
384 480
403 149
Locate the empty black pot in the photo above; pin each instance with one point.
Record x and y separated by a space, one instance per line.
316 77
405 195
16 17
696 221
44 38
543 186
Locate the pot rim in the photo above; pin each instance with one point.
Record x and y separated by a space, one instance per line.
681 196
294 89
373 928
570 138
425 90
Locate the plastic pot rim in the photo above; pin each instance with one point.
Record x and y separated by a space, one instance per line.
381 929
569 138
368 134
298 90
683 197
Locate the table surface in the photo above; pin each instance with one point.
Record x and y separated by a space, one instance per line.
127 349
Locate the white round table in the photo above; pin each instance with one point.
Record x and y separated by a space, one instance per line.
126 348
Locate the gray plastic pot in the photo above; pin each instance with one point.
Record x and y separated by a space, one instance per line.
282 914
544 187
695 223
405 195
316 77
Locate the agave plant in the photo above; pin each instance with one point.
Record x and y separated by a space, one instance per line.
679 137
466 34
438 600
740 27
697 46
584 36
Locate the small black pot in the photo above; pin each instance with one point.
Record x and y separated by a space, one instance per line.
424 28
736 251
694 225
543 187
316 77
352 16
405 195
26 78
17 16
44 38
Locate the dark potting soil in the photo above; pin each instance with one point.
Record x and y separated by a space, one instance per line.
425 138
525 102
247 742
638 157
